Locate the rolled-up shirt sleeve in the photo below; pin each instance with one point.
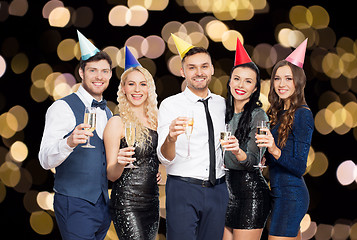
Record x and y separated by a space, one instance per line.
59 122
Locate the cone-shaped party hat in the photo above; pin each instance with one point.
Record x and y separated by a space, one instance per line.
87 48
130 60
241 54
298 55
182 46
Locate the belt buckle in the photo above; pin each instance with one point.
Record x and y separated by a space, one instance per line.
206 183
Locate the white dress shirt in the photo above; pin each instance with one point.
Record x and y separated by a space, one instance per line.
60 120
198 165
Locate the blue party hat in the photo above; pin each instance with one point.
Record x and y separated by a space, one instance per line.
87 48
130 60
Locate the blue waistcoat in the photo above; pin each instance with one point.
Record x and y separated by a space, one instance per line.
83 174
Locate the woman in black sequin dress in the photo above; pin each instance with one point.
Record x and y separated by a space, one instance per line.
135 193
249 200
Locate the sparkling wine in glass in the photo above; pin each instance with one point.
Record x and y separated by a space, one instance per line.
260 126
188 130
130 137
90 118
224 136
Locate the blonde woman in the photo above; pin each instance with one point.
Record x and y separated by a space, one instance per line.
135 195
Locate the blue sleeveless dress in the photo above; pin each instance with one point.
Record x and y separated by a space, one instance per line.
290 196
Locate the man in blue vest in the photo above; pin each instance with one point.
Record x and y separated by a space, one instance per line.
81 186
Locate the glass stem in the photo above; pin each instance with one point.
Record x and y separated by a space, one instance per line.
260 156
188 147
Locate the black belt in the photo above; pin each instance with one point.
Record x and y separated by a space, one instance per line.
203 183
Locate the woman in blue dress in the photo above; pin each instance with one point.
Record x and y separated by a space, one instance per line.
288 145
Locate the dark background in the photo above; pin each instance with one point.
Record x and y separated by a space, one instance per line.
330 201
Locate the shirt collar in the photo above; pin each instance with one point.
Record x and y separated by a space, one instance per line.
193 97
88 99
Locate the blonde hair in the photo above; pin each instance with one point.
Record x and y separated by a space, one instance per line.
150 106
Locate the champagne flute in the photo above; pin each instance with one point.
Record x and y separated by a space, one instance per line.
188 130
130 137
90 118
224 136
260 126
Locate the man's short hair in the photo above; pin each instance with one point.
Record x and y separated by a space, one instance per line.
194 51
99 56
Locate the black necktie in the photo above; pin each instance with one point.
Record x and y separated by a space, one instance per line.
212 150
102 104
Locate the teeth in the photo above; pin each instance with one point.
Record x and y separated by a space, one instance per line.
98 83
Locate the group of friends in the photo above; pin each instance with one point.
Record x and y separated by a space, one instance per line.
211 194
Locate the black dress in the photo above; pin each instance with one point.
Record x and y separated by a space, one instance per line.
135 195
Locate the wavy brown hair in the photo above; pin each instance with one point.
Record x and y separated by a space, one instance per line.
277 105
150 106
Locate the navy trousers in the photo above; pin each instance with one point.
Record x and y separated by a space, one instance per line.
79 219
194 212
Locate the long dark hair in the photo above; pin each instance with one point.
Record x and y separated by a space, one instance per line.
277 105
243 128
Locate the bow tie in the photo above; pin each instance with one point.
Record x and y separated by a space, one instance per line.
102 104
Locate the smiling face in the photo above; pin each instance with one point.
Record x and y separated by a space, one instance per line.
284 85
243 84
135 88
197 69
95 77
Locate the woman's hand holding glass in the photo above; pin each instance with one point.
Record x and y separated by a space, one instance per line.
125 156
232 145
267 141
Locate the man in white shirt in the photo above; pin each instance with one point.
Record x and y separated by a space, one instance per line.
81 185
196 199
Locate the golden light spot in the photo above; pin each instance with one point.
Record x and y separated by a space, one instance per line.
19 151
50 82
325 121
38 93
351 108
19 63
10 174
324 231
216 86
319 165
299 16
283 37
137 16
332 65
61 90
305 223
229 39
341 231
59 17
21 116
321 18
117 16
45 200
215 30
156 5
49 6
65 49
40 72
174 65
41 222
353 231
112 52
7 131
310 158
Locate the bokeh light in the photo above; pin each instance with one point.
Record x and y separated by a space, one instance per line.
59 17
41 222
346 172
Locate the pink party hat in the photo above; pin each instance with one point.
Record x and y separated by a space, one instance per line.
297 57
241 54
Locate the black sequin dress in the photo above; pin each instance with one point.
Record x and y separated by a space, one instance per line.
135 195
249 196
